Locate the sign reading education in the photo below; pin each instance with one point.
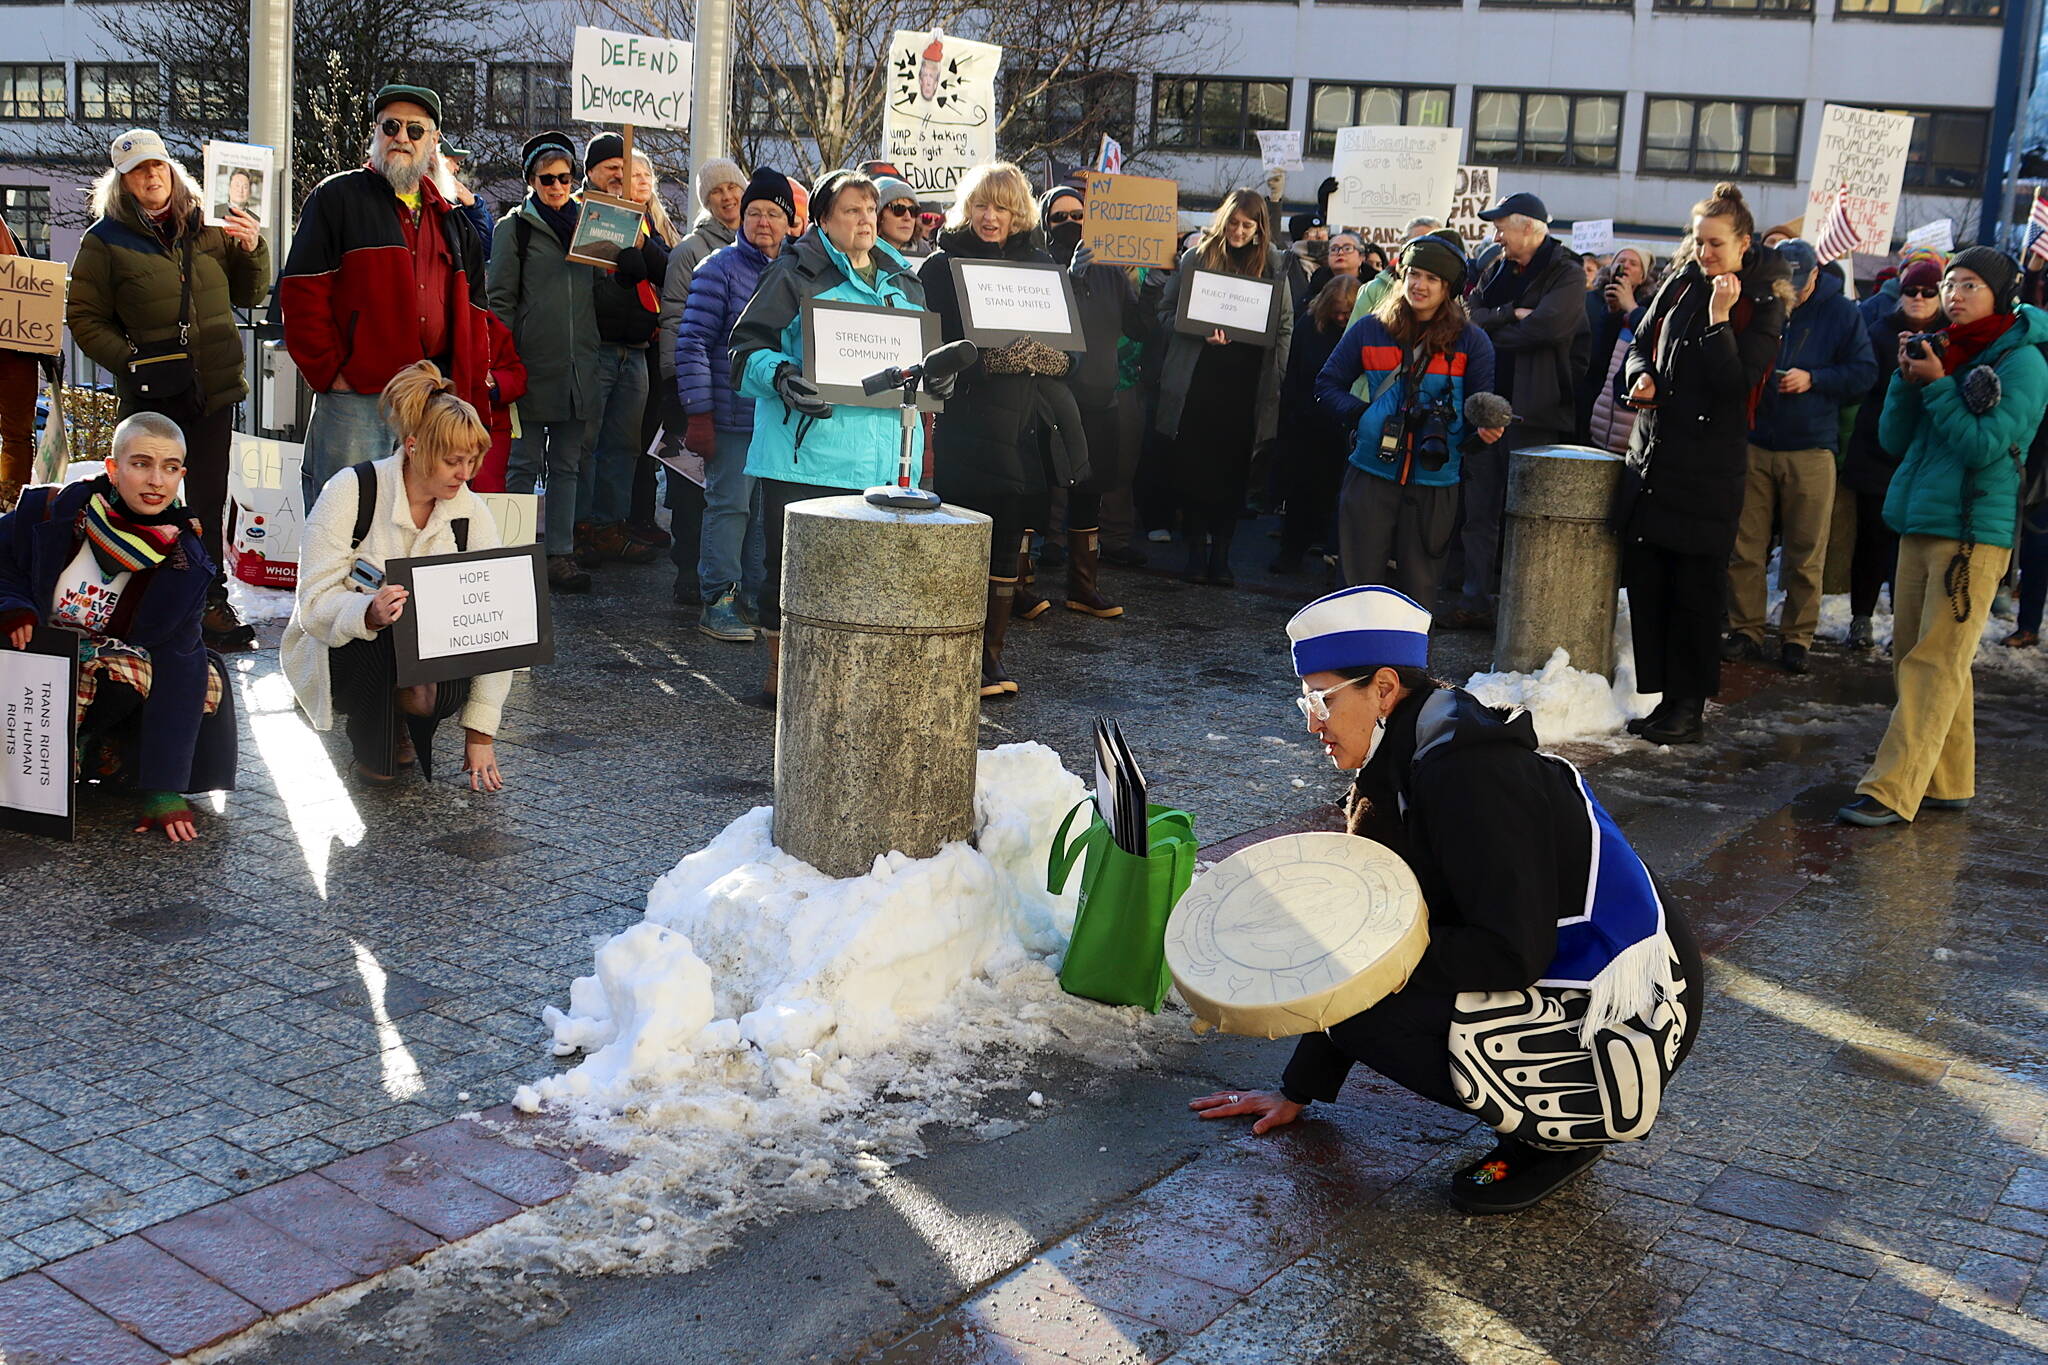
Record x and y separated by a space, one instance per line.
1387 176
630 78
938 115
844 343
1474 191
31 305
1003 301
1243 309
37 690
1132 219
481 612
1865 150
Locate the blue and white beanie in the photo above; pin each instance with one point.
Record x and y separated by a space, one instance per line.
1358 628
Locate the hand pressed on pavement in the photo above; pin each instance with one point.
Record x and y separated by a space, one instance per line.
1269 1108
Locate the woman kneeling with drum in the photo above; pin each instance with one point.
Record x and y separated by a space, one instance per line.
1546 931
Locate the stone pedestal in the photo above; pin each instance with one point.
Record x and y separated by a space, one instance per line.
1561 565
879 699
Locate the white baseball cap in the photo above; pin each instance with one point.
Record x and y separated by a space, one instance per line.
136 146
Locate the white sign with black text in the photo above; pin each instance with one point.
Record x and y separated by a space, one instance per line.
845 343
1001 301
36 686
485 611
1242 308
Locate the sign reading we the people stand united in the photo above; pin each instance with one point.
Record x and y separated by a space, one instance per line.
630 78
1865 150
938 116
31 305
1389 175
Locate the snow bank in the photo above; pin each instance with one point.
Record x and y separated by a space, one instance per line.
1569 703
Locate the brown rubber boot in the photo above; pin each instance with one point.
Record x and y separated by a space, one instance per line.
1084 557
1028 606
1002 594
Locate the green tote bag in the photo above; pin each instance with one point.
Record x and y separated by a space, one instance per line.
1118 951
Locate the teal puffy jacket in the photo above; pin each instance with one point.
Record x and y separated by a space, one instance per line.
855 447
1949 448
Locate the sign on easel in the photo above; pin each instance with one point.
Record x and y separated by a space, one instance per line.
38 691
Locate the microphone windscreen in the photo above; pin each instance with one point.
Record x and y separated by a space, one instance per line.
950 359
1488 410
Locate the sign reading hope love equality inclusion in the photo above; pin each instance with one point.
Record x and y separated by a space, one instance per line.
481 612
630 78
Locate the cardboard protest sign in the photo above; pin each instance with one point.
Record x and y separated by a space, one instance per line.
1865 150
606 226
1004 301
31 305
1475 190
1387 176
1132 219
630 78
517 515
38 691
239 176
265 522
481 612
938 115
1593 236
1242 308
844 343
1938 235
1279 149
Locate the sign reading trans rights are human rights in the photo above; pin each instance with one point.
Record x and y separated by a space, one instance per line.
631 78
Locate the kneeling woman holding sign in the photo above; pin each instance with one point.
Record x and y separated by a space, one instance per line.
338 649
1557 991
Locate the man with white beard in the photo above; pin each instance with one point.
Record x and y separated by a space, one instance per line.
356 312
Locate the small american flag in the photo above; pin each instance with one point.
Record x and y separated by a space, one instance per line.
1839 237
1110 160
2037 226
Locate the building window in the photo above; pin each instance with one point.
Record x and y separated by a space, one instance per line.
1948 149
26 210
1794 7
455 83
32 91
528 95
1720 137
1332 106
1988 11
1546 128
1092 103
773 102
208 94
120 92
1195 112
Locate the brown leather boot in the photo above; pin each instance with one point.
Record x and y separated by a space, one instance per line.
1002 594
771 684
1028 605
1084 557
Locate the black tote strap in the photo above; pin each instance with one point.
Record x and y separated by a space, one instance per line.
366 500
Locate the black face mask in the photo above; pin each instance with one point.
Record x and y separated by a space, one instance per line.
1315 251
1063 238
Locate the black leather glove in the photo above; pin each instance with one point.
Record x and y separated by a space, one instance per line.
632 267
799 393
941 386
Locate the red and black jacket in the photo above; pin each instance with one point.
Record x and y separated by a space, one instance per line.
345 296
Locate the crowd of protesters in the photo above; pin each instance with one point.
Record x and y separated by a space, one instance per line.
450 354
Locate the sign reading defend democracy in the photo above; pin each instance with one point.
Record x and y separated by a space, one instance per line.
630 78
31 305
1865 150
1387 176
1132 219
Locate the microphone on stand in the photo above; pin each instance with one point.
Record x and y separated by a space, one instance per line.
943 363
948 359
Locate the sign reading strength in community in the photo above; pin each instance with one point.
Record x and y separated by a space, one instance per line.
844 343
1387 176
37 689
938 116
481 612
1132 219
1865 150
31 305
631 78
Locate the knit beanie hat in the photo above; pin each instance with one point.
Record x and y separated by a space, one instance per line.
773 186
719 170
828 190
1995 268
559 143
602 148
1432 253
1922 252
891 189
1921 274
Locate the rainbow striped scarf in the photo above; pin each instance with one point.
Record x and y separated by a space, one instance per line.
122 544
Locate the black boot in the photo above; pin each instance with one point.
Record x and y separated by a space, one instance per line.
1514 1176
1001 596
1684 723
1197 570
1218 572
1657 715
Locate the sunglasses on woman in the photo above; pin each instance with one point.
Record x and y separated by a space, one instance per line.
1073 216
556 177
413 131
1924 292
901 209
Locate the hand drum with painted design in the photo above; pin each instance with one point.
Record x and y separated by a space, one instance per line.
1296 934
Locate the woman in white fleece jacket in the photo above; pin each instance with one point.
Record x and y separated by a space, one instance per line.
337 650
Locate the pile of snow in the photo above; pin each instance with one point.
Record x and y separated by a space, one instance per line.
1568 703
754 967
254 604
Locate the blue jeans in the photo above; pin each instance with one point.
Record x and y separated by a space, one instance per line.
604 491
345 429
735 545
556 447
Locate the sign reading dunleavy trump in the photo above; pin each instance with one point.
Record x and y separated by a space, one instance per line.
939 114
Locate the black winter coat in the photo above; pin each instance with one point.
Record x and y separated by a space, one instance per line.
1688 458
1540 359
623 318
1866 465
987 441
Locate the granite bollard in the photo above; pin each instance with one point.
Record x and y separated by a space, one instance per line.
1561 565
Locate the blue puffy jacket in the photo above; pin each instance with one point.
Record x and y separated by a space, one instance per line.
719 292
855 447
1368 351
1826 337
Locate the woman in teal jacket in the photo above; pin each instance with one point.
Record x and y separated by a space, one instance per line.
1964 409
804 446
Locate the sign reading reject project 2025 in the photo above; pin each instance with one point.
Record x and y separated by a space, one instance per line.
631 78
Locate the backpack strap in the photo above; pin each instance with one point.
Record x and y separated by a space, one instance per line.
366 501
522 232
460 526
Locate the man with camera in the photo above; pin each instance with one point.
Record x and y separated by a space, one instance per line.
1824 362
1532 307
